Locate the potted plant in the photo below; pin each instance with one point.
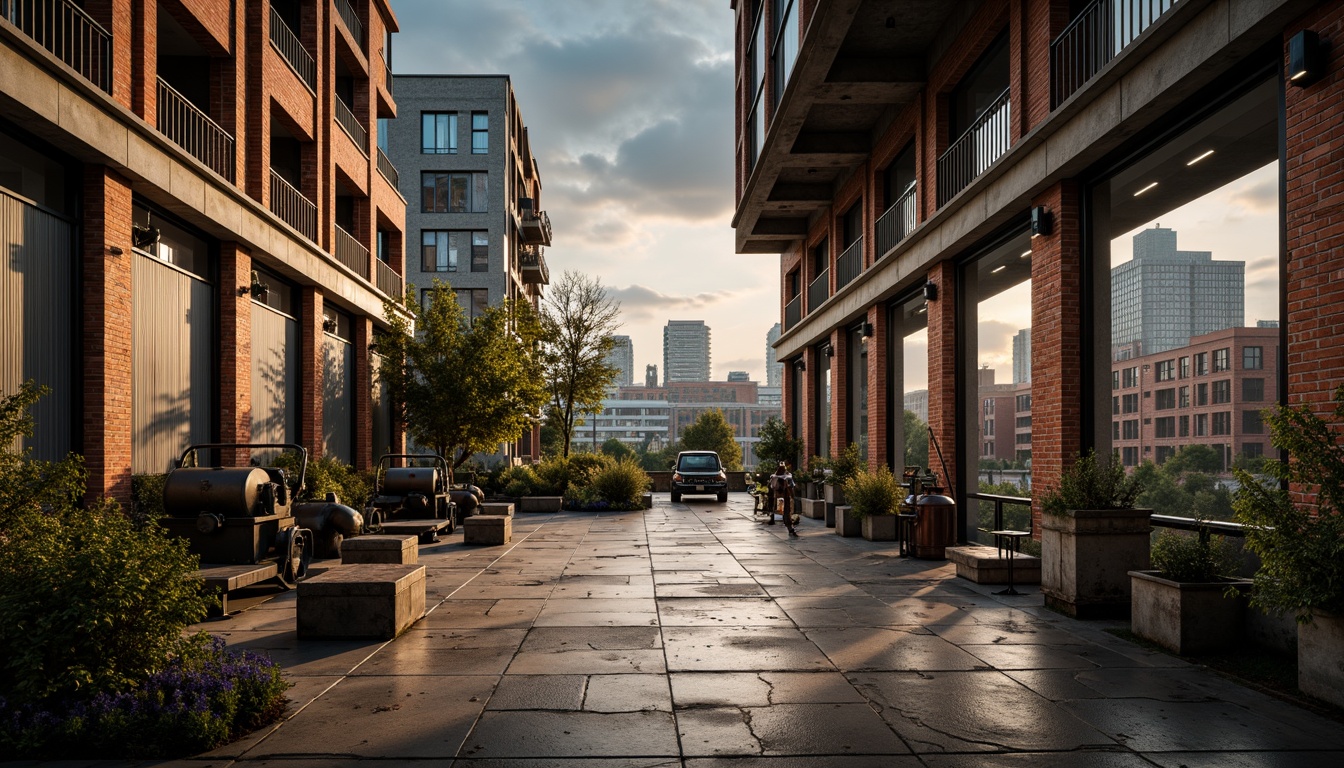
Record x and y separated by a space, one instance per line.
816 476
874 498
1091 538
1298 534
1188 603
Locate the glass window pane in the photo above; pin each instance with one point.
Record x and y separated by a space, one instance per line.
428 252
458 191
908 361
480 252
480 195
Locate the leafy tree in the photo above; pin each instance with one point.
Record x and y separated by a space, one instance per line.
579 321
916 440
1186 485
617 450
552 433
777 443
712 432
462 388
1194 458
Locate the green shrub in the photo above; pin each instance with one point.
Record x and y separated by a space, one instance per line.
28 485
846 465
874 493
621 482
817 466
519 481
1193 558
328 475
1091 484
584 467
147 497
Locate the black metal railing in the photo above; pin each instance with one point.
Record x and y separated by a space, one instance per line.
387 78
849 265
352 253
793 312
346 118
389 282
290 205
388 170
998 520
1095 37
69 33
194 131
818 290
532 257
289 47
347 13
975 150
897 223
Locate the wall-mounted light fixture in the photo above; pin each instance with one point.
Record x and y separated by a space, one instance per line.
829 350
800 364
867 331
1305 59
930 291
114 250
329 324
1040 221
259 290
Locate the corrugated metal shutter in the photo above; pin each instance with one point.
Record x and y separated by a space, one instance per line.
275 380
172 351
338 398
382 409
37 317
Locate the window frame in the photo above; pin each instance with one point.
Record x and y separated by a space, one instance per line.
451 149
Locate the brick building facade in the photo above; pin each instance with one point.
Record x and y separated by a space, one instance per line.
202 178
941 175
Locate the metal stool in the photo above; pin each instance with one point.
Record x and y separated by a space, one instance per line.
1010 542
905 531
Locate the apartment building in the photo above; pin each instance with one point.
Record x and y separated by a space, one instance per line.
938 176
199 232
655 416
685 351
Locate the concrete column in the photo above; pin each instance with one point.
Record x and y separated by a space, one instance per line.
235 350
311 362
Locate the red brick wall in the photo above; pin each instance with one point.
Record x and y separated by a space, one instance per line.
311 359
807 431
144 59
943 367
106 328
878 424
362 337
840 436
235 350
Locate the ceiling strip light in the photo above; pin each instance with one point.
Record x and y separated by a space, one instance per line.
1201 157
1145 189
998 269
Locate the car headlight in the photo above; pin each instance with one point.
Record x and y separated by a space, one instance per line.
676 477
723 475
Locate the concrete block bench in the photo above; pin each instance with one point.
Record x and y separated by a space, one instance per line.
363 601
983 565
401 550
496 508
811 508
487 530
540 503
647 500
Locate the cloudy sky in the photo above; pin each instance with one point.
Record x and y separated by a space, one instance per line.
629 105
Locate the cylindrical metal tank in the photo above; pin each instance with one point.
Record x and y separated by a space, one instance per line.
400 481
935 526
223 491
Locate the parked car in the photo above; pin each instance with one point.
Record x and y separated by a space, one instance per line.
699 472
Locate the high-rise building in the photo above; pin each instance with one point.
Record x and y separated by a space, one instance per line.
1164 296
1022 357
685 351
739 376
774 370
622 357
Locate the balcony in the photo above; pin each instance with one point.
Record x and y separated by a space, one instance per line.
352 253
819 290
389 282
388 170
347 13
793 312
387 79
287 44
292 207
977 149
849 265
194 131
532 263
68 33
897 223
346 119
536 226
1095 37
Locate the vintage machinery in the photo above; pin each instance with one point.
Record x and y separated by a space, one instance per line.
414 499
935 527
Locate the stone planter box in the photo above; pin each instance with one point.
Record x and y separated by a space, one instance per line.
401 550
487 530
847 523
1320 658
879 527
814 509
835 495
647 500
371 600
1086 557
828 514
983 565
496 508
540 503
1186 617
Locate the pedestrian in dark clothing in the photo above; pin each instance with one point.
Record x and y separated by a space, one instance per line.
781 490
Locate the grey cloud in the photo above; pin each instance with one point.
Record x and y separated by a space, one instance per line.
1261 197
640 302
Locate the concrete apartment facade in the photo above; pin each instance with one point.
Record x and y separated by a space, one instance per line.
654 416
686 355
939 176
622 357
201 234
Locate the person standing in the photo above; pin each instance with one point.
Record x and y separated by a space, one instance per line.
781 491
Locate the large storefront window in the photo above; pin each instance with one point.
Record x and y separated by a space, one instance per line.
996 376
908 358
1189 233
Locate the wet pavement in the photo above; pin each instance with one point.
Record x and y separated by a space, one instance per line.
692 635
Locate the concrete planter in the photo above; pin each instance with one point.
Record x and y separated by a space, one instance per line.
813 509
828 513
879 527
1186 617
646 501
847 523
1086 557
1320 657
540 503
835 497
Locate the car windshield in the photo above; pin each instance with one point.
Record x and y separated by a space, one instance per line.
700 463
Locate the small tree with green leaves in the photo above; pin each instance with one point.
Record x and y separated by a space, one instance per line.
1091 484
579 322
712 432
778 443
916 440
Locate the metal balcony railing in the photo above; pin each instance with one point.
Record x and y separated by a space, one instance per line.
536 224
1095 37
290 205
347 121
793 312
352 253
387 78
69 33
897 223
977 149
347 13
389 282
532 260
849 265
289 47
819 290
388 170
194 131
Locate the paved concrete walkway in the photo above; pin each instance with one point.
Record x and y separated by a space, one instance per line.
690 635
